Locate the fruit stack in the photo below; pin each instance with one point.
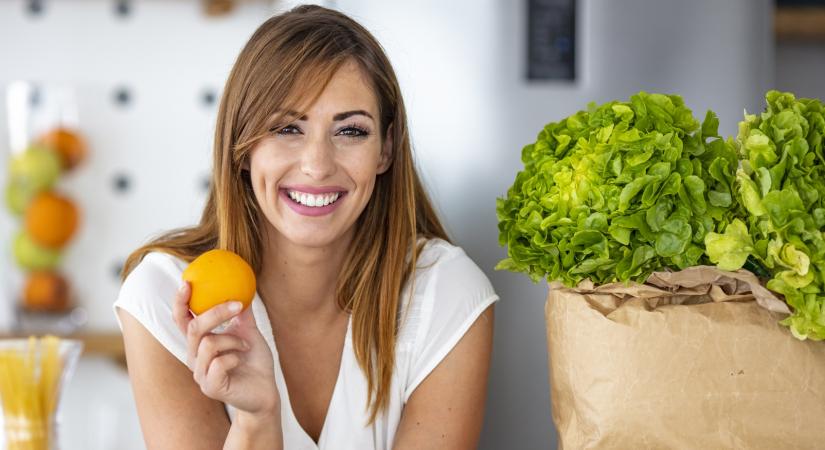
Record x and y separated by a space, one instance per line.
49 218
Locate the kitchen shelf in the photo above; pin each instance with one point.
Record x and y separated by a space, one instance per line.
800 23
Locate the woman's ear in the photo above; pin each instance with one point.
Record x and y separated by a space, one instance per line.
385 160
245 164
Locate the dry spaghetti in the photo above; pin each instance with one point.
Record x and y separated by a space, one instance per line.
29 389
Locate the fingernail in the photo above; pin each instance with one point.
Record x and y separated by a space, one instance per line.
235 306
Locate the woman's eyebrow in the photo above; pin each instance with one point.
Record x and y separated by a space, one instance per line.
346 114
335 118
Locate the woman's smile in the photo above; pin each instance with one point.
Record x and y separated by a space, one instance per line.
312 201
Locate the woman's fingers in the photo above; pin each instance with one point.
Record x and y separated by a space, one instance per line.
212 346
205 323
216 381
180 307
243 323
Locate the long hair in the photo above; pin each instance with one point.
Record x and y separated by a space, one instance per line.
284 67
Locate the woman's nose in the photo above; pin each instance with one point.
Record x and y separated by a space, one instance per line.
318 160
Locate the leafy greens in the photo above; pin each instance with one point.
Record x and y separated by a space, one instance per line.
781 185
617 192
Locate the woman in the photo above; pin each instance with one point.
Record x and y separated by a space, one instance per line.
369 329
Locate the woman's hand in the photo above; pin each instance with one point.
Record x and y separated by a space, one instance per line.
235 366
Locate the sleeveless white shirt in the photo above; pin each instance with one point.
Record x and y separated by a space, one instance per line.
449 294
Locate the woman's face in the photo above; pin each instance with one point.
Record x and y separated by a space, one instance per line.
314 177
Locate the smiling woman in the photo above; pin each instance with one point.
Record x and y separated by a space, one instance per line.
365 315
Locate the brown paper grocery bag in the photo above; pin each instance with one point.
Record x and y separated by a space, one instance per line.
691 360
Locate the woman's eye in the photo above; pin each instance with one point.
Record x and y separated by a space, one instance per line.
287 130
353 131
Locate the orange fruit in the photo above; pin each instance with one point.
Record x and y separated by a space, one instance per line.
51 219
68 144
46 291
219 276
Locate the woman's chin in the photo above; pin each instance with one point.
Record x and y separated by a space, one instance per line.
314 238
313 232
312 242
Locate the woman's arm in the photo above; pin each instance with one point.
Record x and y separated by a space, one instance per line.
446 410
182 406
255 431
173 412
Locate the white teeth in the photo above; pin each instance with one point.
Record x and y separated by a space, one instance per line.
314 201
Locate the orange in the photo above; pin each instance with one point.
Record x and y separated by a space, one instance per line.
68 144
51 219
219 276
46 291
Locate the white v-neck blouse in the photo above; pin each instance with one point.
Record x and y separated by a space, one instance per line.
449 294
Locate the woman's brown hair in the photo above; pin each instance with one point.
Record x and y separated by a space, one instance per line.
284 67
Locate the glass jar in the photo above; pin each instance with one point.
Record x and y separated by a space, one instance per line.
33 373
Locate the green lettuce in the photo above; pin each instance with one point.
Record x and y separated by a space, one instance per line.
781 186
617 192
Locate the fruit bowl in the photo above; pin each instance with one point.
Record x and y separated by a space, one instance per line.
44 146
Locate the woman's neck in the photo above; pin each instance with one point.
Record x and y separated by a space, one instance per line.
299 282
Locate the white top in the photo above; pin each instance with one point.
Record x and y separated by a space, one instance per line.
450 292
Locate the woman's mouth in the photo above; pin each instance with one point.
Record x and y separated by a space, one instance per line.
314 201
312 204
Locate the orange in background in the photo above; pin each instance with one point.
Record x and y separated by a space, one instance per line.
51 219
46 291
68 144
219 276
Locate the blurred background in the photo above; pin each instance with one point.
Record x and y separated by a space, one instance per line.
129 89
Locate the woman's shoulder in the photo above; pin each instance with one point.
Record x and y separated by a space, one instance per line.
147 294
157 263
436 251
450 291
158 273
446 282
438 256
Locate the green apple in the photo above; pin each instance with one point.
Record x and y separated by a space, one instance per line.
18 198
31 256
36 169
